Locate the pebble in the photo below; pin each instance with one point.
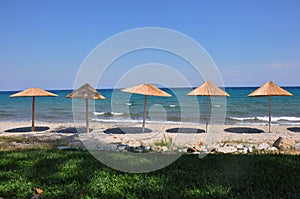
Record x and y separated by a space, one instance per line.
226 149
164 148
240 146
263 146
297 146
63 147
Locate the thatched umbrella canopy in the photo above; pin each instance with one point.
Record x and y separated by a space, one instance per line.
33 92
146 90
88 93
269 89
208 89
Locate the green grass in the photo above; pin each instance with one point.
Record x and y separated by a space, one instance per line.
75 174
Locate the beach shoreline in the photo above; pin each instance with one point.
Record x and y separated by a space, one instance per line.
179 136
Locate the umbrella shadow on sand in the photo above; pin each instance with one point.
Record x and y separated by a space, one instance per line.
243 130
127 130
27 129
294 129
185 130
71 130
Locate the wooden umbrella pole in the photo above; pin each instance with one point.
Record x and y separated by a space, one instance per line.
207 114
144 117
269 105
32 119
87 115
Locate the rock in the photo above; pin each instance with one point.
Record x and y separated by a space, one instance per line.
164 148
122 147
287 144
196 153
153 148
240 146
63 147
245 150
139 149
250 149
226 149
277 142
147 148
158 148
185 150
297 146
272 149
263 146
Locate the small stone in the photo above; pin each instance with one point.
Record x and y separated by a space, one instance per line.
147 148
138 149
240 146
164 148
263 146
297 146
272 149
158 148
185 150
226 149
250 149
245 150
63 147
196 153
122 147
153 148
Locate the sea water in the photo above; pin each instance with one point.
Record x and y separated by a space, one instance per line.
125 107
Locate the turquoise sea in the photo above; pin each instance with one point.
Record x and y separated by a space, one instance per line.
119 106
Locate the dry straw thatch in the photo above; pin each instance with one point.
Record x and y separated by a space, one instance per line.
33 92
269 89
86 92
208 89
146 90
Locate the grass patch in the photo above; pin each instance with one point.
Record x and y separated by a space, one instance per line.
8 143
77 174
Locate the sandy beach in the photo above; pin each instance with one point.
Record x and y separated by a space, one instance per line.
103 135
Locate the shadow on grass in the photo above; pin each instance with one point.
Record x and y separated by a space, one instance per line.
27 129
243 130
79 175
294 129
185 130
127 130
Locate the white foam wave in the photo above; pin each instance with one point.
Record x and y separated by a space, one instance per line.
128 104
172 105
116 113
266 119
217 106
242 118
98 113
138 121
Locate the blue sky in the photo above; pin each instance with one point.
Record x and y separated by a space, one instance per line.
43 43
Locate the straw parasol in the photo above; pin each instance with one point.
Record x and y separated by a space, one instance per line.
88 93
33 92
146 90
208 89
269 89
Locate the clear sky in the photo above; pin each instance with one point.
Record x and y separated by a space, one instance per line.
43 43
